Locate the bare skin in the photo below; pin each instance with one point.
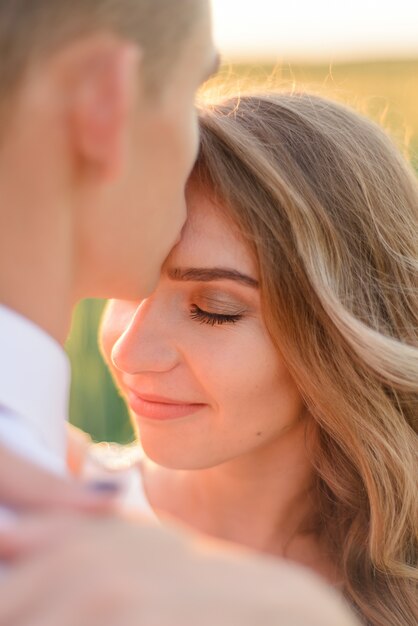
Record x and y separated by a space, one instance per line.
96 576
92 218
96 146
61 569
236 467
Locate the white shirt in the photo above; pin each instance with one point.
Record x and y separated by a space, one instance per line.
34 391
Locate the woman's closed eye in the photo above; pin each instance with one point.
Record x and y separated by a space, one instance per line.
213 319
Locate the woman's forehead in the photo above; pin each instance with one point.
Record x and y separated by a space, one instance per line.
210 239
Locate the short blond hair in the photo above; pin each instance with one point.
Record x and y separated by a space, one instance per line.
30 29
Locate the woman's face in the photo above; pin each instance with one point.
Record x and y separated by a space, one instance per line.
203 380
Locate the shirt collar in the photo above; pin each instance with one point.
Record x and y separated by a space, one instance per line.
34 378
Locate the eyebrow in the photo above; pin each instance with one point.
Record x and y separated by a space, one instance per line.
205 275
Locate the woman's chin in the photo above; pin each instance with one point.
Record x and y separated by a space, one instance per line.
175 458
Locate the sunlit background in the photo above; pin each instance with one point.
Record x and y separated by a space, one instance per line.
363 52
316 30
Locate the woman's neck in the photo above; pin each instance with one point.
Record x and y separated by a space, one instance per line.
262 500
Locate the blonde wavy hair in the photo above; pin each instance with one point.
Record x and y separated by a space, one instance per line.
330 209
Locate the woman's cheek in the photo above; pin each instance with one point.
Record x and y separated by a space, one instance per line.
228 363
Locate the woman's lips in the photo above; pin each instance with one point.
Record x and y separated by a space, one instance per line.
156 408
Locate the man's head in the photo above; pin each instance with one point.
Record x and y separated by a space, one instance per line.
97 119
33 29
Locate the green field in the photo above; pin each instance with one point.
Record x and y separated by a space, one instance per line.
386 91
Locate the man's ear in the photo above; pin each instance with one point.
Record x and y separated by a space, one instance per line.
105 89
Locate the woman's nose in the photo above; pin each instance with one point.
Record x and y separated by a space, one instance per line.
145 345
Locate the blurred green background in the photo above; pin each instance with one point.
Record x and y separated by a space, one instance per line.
386 91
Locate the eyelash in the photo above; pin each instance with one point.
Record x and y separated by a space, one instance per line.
213 319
